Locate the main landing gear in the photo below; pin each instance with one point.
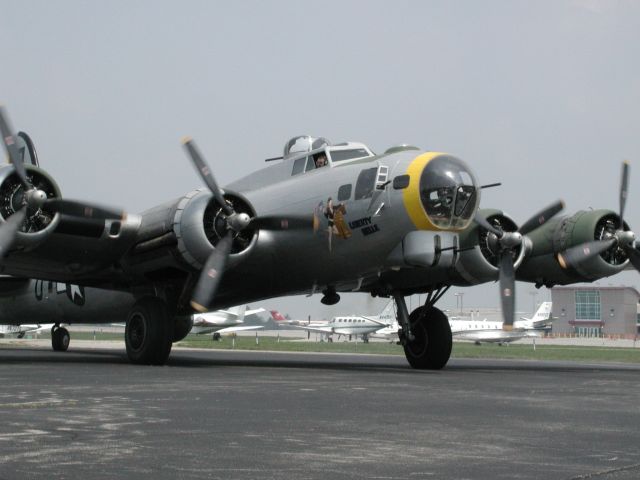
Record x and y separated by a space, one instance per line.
149 332
425 334
60 338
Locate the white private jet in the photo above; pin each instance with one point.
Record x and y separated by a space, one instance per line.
21 330
358 325
223 321
281 320
479 331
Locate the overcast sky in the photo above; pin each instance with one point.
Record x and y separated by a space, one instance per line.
542 96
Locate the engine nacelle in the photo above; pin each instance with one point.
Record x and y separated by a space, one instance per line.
38 224
199 224
558 235
478 261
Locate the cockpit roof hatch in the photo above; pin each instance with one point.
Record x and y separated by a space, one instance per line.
304 143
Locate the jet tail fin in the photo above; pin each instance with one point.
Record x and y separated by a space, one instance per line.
277 316
388 314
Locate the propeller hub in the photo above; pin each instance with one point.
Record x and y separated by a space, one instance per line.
511 240
238 221
35 198
626 237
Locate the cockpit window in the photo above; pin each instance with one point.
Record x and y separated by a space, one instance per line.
298 166
310 164
341 155
448 192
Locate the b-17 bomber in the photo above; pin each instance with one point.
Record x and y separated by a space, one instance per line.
324 218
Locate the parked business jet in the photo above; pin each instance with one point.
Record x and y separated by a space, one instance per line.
281 320
479 331
224 321
21 330
358 325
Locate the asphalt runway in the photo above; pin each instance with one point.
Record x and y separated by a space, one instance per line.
88 414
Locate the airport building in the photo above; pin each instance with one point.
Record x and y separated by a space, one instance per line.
594 311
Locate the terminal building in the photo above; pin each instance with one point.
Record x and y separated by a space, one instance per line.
594 311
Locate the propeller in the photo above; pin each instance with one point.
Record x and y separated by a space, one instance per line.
624 239
34 199
211 274
9 140
506 243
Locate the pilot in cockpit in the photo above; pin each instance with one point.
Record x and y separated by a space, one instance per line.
321 160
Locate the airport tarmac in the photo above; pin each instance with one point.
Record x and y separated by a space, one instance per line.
88 413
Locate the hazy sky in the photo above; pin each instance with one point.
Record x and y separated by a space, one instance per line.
543 96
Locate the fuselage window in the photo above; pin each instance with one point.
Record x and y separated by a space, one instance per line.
344 192
365 183
298 166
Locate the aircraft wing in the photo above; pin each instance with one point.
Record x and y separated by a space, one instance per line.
383 324
41 328
317 329
253 312
238 329
489 335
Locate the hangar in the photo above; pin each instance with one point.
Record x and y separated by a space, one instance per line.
595 311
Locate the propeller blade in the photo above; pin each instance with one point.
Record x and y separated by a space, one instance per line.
624 188
211 274
76 208
9 229
9 140
484 223
634 256
507 289
541 217
575 255
205 174
282 223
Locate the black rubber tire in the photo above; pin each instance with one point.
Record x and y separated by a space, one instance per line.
181 327
149 332
60 339
431 347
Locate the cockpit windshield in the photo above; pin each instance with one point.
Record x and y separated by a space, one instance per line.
449 193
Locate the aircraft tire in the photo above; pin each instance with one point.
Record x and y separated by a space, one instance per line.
431 347
181 328
148 334
60 339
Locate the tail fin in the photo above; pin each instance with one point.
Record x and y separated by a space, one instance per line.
277 316
388 314
238 311
543 313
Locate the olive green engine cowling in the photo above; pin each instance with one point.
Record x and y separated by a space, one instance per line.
541 265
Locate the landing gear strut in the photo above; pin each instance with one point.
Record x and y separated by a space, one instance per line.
60 338
425 335
149 332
